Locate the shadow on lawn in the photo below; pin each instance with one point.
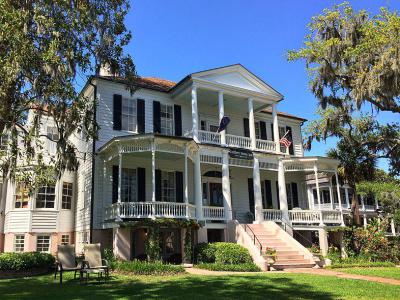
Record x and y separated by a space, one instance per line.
182 287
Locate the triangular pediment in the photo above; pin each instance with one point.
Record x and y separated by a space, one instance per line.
239 77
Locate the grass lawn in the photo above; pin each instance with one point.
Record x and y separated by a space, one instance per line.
379 272
257 286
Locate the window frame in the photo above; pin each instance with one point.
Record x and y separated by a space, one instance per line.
164 121
21 190
45 194
43 236
130 123
4 142
67 196
168 193
257 130
17 243
65 239
127 184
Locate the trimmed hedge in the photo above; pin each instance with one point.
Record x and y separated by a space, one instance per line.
248 267
222 253
146 268
365 264
25 261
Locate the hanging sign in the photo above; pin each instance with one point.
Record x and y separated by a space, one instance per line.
240 154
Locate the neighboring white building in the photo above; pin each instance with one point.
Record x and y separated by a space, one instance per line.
158 155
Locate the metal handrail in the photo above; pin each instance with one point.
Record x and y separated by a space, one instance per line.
294 230
254 237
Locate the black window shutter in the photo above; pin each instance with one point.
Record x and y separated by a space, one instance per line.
268 194
158 185
272 132
179 186
246 127
115 175
251 194
203 125
140 116
290 138
263 130
141 184
178 120
295 195
277 194
156 117
117 111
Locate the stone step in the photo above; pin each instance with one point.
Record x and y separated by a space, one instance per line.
281 257
292 266
288 261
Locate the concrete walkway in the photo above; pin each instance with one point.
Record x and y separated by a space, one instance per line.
321 272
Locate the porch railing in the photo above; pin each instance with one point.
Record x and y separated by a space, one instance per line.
150 209
209 137
214 213
312 217
265 145
238 141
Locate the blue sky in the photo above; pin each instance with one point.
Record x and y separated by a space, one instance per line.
176 37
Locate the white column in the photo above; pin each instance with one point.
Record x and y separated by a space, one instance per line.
282 192
362 203
346 190
317 185
331 193
275 128
339 198
365 220
119 176
257 191
376 203
392 227
185 182
252 126
323 241
221 113
197 186
195 115
153 172
226 186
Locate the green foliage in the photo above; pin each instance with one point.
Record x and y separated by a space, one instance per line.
188 246
109 255
25 261
244 267
46 47
152 245
361 264
222 253
352 60
147 268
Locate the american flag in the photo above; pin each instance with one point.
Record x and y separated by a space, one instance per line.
284 141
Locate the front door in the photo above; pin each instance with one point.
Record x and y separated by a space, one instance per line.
170 245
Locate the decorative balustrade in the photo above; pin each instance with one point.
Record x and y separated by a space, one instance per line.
331 217
238 141
150 209
305 216
272 215
214 213
265 145
209 137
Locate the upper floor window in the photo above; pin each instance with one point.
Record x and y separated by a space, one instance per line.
282 132
43 243
4 140
19 243
21 197
67 195
167 186
257 130
167 119
52 133
128 185
128 114
45 197
209 126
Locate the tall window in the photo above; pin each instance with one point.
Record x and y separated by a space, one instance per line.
167 186
52 133
19 243
21 197
66 195
167 119
128 116
65 239
45 197
128 185
4 139
258 130
43 243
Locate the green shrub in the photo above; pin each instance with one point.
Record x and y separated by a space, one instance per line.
248 267
361 264
25 261
147 268
222 253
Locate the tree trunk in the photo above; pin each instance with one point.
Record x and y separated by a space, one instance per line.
355 208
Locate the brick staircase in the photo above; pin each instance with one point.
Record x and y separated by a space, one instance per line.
290 254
